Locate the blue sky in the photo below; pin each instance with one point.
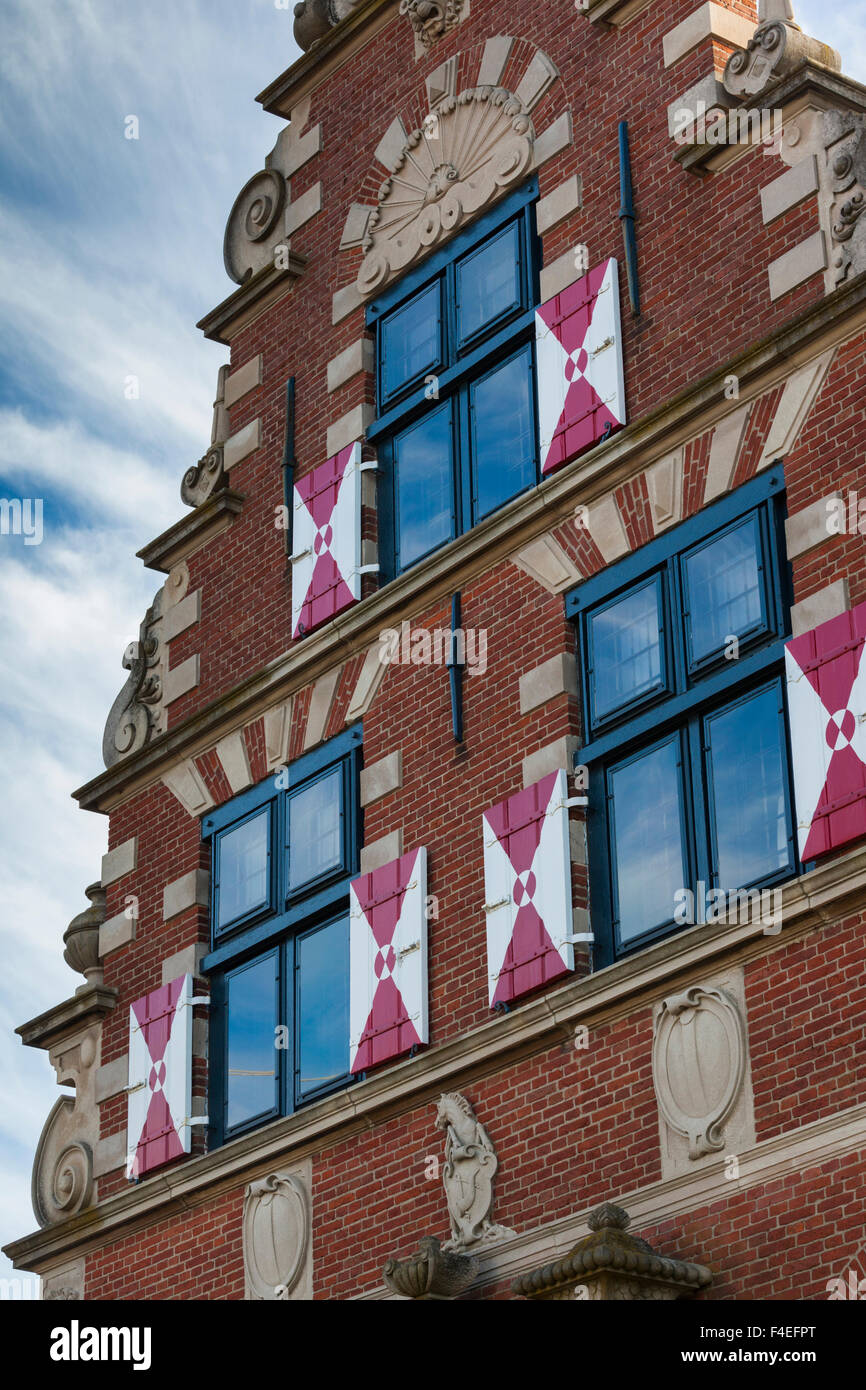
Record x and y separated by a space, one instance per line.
110 250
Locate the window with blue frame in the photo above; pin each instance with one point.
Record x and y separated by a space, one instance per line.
456 428
282 857
686 738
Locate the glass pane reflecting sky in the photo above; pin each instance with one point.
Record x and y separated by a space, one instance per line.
647 848
746 765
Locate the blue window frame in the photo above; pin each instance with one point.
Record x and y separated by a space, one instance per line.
283 855
687 742
457 426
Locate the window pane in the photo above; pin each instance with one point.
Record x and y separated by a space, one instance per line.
323 1006
647 840
503 431
422 460
724 587
746 764
410 340
626 650
488 283
315 829
243 869
252 1020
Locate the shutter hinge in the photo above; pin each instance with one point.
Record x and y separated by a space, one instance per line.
196 1120
491 907
300 554
200 999
407 950
578 936
369 466
134 1086
576 801
367 569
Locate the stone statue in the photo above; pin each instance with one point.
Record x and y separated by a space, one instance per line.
470 1167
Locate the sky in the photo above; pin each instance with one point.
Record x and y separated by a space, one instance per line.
110 251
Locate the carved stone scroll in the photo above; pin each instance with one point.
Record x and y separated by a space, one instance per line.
209 476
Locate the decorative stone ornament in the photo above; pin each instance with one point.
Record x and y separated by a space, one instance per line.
254 216
62 1183
316 18
468 1174
209 476
480 145
133 718
276 1238
699 1060
845 175
138 713
432 19
432 1274
609 1264
81 937
776 49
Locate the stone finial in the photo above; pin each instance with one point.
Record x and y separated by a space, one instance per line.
431 1274
782 10
81 937
611 1264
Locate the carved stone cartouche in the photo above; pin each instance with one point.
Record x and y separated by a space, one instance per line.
699 1061
610 1264
276 1237
470 1167
432 1273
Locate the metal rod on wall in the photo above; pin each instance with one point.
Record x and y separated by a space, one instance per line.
627 217
289 460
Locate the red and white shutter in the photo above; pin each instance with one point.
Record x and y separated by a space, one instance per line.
160 1077
581 392
527 884
826 671
326 560
388 961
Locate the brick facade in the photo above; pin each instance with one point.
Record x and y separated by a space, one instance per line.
573 1127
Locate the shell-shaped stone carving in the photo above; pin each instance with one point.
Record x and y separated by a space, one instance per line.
276 1236
699 1061
475 147
254 216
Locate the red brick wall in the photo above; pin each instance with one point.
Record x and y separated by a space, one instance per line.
571 1127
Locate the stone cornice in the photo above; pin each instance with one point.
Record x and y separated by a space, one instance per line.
811 81
192 532
828 322
326 57
821 896
90 1004
252 298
